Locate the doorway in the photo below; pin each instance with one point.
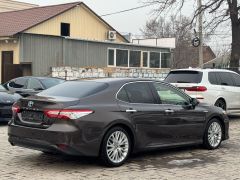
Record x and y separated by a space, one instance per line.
9 70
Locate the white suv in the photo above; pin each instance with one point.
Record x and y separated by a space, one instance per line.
213 86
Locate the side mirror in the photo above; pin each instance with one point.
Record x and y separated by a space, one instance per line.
187 106
194 102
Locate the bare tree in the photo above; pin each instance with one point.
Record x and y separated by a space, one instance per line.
174 27
220 11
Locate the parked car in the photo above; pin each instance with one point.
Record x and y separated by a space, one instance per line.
29 85
111 118
7 99
213 86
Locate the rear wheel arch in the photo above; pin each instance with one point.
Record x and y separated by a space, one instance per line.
126 127
221 99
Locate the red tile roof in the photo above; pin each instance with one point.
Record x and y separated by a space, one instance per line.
14 22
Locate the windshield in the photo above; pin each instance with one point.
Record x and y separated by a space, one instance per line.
184 77
75 89
50 82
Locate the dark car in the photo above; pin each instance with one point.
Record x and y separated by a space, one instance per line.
112 118
29 85
7 99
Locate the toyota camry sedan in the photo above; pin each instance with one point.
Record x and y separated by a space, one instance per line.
112 118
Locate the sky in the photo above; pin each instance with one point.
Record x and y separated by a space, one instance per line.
133 21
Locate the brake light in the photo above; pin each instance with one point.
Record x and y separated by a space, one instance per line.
197 88
15 109
67 113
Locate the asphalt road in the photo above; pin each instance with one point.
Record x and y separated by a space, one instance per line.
182 163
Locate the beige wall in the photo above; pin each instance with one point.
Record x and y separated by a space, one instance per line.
83 24
10 46
8 5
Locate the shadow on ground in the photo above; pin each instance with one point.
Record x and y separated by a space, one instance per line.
171 158
3 124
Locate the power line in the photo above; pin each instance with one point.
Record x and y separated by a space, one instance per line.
127 10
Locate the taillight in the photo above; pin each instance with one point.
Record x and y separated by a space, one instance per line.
197 88
67 113
15 109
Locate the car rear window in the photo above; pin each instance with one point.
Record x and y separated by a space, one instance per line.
75 89
184 77
50 82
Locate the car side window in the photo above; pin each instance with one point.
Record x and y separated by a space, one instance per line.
122 95
138 92
169 95
34 84
225 79
236 79
213 79
18 83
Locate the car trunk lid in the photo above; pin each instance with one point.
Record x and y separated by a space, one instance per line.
33 108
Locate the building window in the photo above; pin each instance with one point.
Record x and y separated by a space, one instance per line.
122 58
154 60
165 60
65 29
111 58
135 59
145 59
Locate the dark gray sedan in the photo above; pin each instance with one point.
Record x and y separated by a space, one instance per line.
7 99
112 118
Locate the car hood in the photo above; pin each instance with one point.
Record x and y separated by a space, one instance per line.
8 97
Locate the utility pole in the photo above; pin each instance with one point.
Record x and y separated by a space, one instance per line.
200 33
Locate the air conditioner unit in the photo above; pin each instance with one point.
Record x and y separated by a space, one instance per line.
112 35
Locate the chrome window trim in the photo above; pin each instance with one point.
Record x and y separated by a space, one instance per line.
148 82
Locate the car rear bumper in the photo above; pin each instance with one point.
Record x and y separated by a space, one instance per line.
5 113
66 140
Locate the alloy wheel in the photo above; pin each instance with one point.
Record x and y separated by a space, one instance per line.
214 134
117 147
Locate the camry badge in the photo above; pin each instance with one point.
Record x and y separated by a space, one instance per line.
30 104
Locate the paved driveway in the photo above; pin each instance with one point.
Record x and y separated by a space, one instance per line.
183 163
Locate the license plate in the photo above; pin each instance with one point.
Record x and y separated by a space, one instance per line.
34 117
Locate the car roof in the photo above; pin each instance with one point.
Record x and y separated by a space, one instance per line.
203 70
119 80
39 77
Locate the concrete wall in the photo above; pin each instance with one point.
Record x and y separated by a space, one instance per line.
73 73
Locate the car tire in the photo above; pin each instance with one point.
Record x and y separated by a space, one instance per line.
221 103
213 134
116 147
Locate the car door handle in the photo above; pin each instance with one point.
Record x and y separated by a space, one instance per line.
131 111
169 111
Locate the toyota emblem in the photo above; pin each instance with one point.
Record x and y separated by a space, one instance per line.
30 104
